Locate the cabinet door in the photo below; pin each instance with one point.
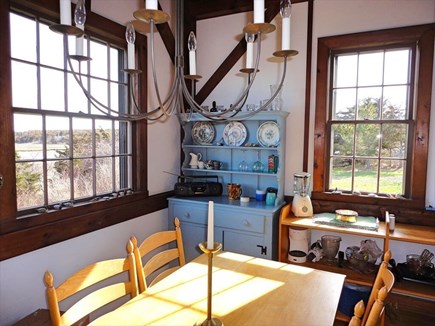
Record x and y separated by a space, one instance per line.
245 243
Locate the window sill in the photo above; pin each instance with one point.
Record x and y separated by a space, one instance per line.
76 222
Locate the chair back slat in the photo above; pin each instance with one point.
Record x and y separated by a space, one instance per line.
160 241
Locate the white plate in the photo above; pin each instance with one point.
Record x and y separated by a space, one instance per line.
235 134
268 134
203 133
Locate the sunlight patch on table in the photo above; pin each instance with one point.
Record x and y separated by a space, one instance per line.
235 297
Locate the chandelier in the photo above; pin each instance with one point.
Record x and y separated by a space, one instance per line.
180 100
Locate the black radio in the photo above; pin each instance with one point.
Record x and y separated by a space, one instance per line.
188 186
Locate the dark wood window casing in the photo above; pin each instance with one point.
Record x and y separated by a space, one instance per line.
422 37
21 235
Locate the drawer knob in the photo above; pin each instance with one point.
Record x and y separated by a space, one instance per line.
187 215
246 222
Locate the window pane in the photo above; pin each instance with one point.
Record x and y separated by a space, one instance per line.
57 136
341 174
30 191
48 42
24 86
52 90
370 69
114 64
342 139
366 175
395 103
23 38
77 101
83 178
100 92
58 181
103 137
28 137
391 178
346 71
344 104
368 103
99 67
394 140
103 171
396 67
82 138
367 140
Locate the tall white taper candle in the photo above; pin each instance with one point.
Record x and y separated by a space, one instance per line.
249 55
151 4
192 62
285 41
79 41
65 12
130 56
258 11
210 226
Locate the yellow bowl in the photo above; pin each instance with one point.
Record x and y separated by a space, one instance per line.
346 215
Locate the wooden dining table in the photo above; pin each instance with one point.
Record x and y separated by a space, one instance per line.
246 291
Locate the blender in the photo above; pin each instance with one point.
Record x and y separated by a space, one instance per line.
301 205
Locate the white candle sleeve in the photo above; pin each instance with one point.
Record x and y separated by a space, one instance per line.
285 44
249 55
130 56
65 12
192 63
258 11
151 4
210 226
79 41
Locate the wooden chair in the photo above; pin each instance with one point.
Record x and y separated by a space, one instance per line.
370 315
153 242
83 279
374 313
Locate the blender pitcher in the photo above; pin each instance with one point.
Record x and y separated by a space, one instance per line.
301 205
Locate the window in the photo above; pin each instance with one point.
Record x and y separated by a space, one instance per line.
369 121
66 151
372 107
64 121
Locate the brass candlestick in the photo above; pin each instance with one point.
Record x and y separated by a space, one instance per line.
216 247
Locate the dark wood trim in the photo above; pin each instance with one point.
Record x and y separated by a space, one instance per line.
308 84
19 242
7 170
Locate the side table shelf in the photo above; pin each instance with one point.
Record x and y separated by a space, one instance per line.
402 232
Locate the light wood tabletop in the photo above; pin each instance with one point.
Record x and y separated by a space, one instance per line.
246 291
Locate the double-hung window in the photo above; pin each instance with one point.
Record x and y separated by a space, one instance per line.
369 121
66 167
66 150
373 101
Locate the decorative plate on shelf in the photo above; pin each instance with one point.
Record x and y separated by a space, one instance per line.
203 133
268 134
235 134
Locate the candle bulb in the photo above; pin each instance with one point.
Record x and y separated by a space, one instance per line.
249 50
191 44
285 9
130 36
151 4
65 12
210 226
80 19
258 11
